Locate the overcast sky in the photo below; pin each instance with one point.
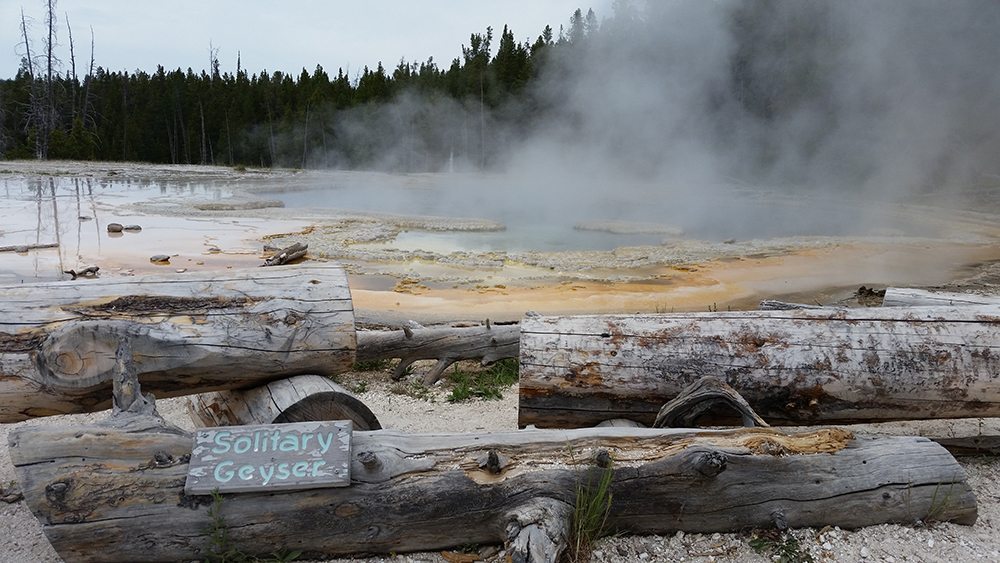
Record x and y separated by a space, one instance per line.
287 36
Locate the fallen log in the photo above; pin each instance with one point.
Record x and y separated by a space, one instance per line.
26 247
775 305
200 332
447 345
115 491
793 367
907 297
296 399
287 255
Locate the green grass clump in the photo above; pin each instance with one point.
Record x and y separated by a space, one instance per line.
487 384
590 514
778 546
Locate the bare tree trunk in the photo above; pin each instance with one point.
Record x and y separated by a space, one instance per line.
86 90
204 153
305 138
72 63
35 109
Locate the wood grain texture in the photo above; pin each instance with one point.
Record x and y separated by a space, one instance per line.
908 297
295 399
114 491
190 333
793 367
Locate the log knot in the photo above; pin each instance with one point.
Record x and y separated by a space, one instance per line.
493 462
711 463
369 460
56 492
603 459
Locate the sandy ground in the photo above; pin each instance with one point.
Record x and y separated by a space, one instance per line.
389 285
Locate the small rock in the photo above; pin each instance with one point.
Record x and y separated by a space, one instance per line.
133 228
644 555
200 263
827 546
716 536
621 550
930 542
181 270
864 553
115 227
160 259
214 249
598 554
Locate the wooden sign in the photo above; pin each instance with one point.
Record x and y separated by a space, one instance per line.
271 457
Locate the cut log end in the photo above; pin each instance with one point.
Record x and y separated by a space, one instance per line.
301 398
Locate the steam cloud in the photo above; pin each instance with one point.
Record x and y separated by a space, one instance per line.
675 101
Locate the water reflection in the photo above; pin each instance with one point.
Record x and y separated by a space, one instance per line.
51 224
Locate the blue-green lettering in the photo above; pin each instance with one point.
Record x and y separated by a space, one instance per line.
299 470
221 442
324 445
242 444
267 472
221 475
246 472
283 471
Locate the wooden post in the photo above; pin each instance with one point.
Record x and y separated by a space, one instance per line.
189 333
793 367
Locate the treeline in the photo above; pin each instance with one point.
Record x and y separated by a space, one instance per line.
313 119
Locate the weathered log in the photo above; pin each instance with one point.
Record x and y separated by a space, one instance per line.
115 491
793 367
196 333
296 399
774 305
907 297
27 247
287 255
447 345
971 445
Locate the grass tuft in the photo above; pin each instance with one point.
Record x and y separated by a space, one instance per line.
487 384
778 546
590 513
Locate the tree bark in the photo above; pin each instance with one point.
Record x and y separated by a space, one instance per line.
191 333
447 345
287 255
114 491
296 399
793 367
907 297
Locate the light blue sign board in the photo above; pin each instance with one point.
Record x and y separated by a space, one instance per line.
270 457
